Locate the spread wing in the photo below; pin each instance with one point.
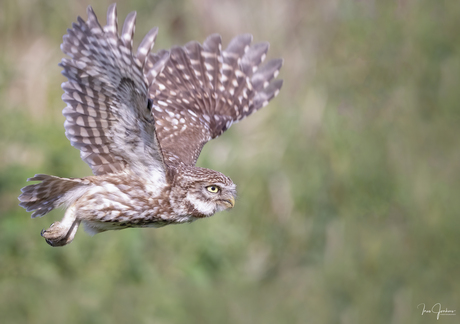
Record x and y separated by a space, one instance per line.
108 114
203 90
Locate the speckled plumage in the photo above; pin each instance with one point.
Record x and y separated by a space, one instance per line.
140 121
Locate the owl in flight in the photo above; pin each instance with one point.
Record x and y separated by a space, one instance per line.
140 121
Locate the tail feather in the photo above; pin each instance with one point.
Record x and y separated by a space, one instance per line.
50 193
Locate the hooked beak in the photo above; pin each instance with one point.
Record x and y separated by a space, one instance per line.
230 202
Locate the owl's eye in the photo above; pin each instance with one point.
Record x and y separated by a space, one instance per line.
213 189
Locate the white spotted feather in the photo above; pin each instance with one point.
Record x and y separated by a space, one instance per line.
107 116
209 89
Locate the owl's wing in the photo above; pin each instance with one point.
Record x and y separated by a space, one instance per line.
203 90
108 115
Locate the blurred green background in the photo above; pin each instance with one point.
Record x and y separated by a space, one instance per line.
348 182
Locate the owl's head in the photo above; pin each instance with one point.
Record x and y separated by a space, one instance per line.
204 192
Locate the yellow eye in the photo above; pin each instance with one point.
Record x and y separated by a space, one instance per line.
213 189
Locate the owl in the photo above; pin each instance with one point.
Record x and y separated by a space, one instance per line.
140 120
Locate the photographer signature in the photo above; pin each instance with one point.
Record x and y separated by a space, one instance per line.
436 309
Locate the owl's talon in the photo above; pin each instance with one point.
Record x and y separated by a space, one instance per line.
58 234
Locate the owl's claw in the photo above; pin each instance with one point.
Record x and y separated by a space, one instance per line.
58 234
55 235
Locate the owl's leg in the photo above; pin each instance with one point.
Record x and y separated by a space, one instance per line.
63 232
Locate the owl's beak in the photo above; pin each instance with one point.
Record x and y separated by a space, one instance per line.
230 202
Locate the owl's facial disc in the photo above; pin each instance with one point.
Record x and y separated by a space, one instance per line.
209 198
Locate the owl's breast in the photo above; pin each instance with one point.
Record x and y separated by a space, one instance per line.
117 203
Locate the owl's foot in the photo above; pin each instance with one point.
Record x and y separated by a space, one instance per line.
59 234
62 233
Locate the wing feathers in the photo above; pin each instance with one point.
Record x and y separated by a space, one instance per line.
200 63
146 45
231 57
265 74
212 57
154 66
197 92
92 22
262 98
238 44
127 32
203 90
194 50
107 115
76 108
112 20
254 57
185 73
